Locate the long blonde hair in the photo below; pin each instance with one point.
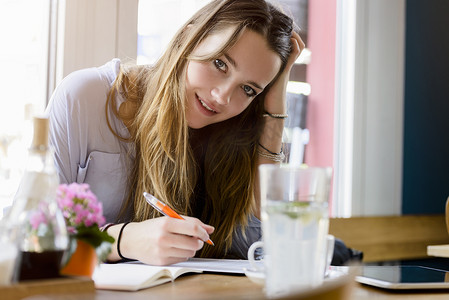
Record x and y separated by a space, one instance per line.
166 165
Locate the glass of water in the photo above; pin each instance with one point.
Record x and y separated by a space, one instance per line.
295 223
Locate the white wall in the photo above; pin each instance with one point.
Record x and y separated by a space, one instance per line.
92 32
369 108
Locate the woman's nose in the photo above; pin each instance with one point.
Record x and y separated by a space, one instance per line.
222 94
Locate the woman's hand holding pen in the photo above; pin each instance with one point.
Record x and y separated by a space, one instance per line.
163 241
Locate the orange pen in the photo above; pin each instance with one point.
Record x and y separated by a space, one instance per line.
165 209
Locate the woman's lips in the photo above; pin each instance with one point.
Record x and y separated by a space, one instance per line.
206 108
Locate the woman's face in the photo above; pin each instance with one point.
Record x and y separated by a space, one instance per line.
222 88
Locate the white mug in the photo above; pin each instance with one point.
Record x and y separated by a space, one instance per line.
256 266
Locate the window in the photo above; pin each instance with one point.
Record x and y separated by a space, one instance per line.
158 22
23 56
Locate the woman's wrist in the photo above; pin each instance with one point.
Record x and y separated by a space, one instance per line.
119 239
270 142
275 100
276 157
122 233
279 107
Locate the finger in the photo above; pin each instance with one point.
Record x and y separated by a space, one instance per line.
172 260
296 49
179 253
173 252
209 229
189 226
293 56
185 242
297 37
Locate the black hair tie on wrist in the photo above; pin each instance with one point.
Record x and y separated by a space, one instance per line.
118 241
106 227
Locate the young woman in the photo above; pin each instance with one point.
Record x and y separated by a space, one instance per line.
191 130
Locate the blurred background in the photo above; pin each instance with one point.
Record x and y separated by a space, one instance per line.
369 94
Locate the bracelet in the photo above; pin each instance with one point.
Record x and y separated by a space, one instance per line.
275 116
273 153
118 241
105 228
279 157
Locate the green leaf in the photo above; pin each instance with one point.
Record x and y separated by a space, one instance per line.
93 236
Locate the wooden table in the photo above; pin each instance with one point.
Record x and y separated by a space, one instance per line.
215 286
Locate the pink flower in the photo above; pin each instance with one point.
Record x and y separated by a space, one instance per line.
79 205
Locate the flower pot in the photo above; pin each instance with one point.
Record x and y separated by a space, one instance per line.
82 262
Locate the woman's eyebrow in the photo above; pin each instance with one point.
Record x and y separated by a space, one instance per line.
234 64
255 85
231 60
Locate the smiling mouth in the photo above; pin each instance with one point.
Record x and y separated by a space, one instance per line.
205 105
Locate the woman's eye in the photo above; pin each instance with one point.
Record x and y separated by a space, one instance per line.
250 92
221 65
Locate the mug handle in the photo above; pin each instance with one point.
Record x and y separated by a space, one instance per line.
251 259
330 244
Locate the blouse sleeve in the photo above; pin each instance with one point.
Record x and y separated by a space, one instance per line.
69 112
241 243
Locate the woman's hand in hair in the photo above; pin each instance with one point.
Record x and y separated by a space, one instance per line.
275 98
164 240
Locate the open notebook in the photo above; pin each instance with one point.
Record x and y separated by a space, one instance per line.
135 276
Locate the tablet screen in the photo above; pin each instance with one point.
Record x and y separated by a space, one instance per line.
404 277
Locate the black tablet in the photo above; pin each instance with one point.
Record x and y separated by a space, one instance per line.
404 277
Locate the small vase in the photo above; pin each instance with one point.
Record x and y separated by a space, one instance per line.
82 262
